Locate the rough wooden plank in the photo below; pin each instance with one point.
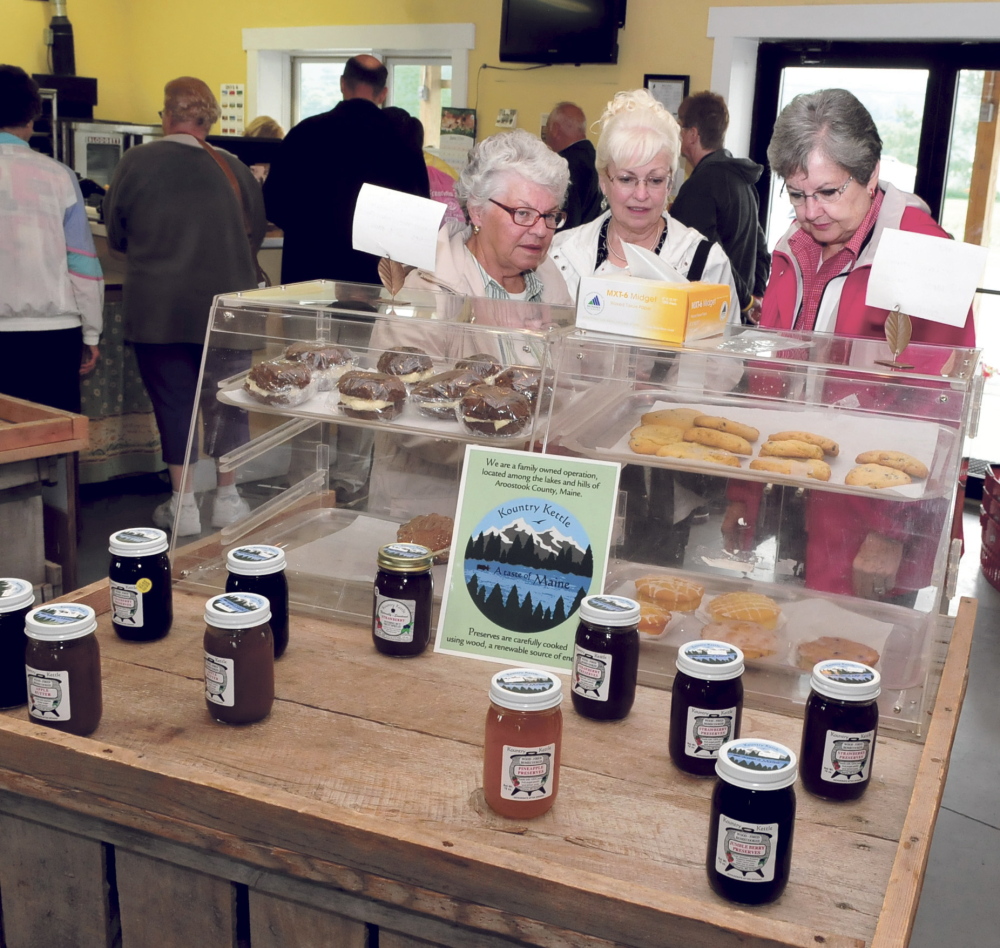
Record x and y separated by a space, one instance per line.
387 939
172 907
53 886
279 923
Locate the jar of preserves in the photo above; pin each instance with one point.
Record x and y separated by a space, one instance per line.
839 730
523 743
402 599
752 824
258 568
16 600
606 658
62 664
239 658
142 606
706 704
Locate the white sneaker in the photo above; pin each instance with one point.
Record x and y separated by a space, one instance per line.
227 509
189 523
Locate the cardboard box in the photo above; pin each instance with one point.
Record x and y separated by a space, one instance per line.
651 309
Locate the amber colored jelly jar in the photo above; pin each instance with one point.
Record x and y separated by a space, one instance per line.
523 743
16 600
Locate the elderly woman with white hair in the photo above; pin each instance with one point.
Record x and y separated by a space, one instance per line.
513 189
637 154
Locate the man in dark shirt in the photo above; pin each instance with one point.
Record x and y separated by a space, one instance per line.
314 181
719 198
565 133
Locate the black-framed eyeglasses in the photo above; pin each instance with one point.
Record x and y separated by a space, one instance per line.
822 196
528 216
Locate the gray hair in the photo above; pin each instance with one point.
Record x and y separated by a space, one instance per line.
495 159
190 100
635 128
831 121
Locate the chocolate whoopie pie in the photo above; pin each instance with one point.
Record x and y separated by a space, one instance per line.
526 380
408 363
493 410
438 396
327 360
280 382
483 364
374 396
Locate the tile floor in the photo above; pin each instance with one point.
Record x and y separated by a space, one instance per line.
958 907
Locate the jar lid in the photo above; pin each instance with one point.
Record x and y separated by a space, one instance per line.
710 660
611 611
237 610
847 681
59 621
256 559
526 689
15 594
404 557
137 541
756 764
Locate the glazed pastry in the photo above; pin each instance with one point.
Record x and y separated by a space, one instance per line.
408 363
746 607
438 396
373 396
750 637
281 382
327 361
495 411
671 592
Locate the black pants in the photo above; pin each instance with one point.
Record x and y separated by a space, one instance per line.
43 366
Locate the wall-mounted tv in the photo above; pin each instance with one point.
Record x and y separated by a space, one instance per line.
561 31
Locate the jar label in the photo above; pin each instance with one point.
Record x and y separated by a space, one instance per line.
219 680
394 618
48 694
126 603
847 757
526 772
745 851
707 730
591 674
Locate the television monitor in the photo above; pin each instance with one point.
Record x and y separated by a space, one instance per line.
560 31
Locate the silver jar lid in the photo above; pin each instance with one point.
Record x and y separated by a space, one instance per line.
526 689
15 594
138 541
255 559
237 610
845 681
756 764
59 621
710 660
614 611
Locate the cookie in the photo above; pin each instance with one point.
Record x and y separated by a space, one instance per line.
790 448
750 637
682 418
817 470
689 451
713 438
832 646
898 460
747 432
876 476
653 618
747 607
829 446
672 592
648 439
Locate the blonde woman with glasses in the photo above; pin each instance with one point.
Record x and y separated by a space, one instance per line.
637 154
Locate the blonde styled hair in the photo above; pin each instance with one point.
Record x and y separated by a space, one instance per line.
263 127
634 129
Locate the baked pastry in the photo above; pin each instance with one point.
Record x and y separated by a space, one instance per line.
682 418
790 448
438 396
747 607
829 446
876 476
648 439
817 470
689 451
747 432
527 381
431 530
672 592
408 363
750 637
327 361
281 382
653 618
832 646
898 460
482 364
373 396
713 438
494 410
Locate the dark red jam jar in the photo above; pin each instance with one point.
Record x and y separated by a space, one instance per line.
258 568
839 731
16 600
402 599
142 606
606 658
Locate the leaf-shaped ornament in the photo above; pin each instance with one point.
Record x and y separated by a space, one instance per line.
392 274
898 330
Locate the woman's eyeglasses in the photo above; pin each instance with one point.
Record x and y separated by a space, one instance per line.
527 216
822 196
629 182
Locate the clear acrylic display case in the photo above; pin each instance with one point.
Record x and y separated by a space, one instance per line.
791 537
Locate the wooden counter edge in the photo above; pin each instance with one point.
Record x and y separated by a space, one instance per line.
899 908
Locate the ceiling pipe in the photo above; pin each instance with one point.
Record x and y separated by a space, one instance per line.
60 38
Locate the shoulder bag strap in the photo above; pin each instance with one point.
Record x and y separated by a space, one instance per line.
699 260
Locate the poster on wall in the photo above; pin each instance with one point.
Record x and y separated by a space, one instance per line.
458 135
232 96
669 91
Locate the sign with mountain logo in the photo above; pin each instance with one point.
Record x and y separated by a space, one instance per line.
532 534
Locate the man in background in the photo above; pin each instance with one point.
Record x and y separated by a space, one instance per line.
566 134
719 198
314 181
51 286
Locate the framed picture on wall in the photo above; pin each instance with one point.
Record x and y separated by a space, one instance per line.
669 91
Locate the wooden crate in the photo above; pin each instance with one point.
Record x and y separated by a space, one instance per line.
28 430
